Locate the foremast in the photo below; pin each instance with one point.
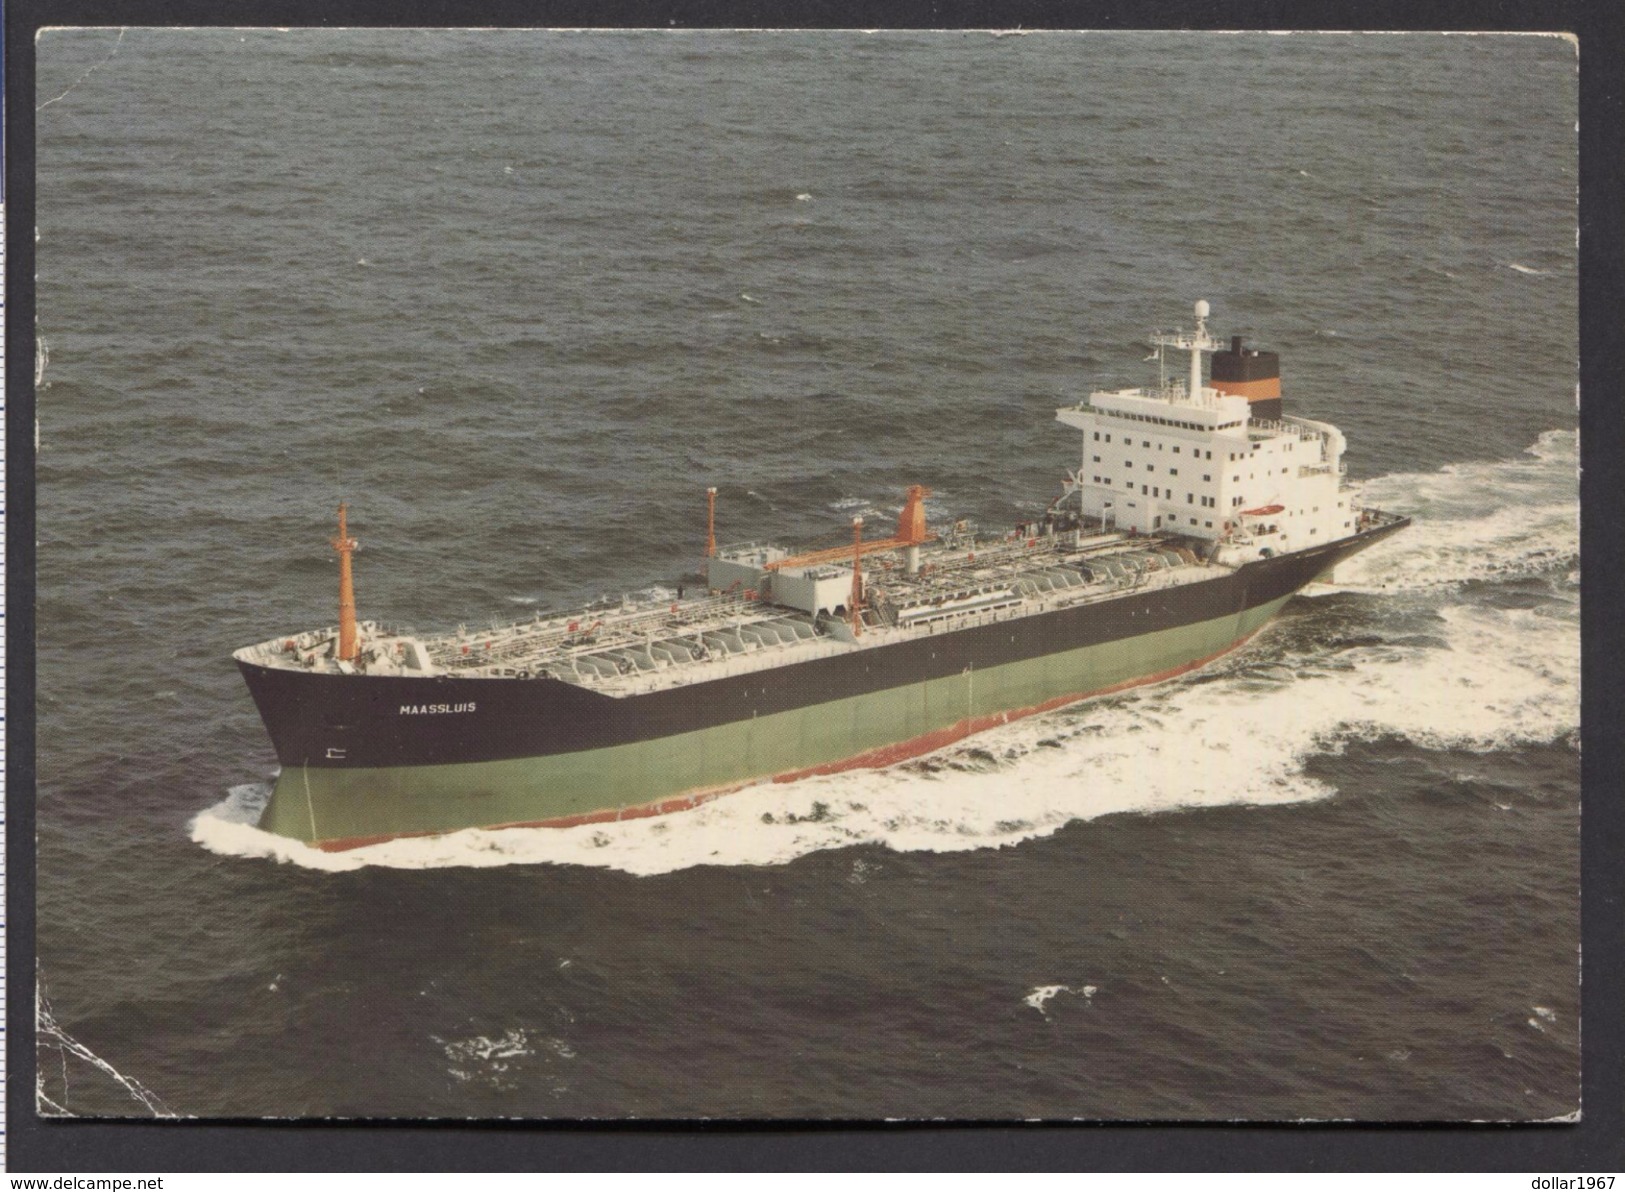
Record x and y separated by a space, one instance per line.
349 637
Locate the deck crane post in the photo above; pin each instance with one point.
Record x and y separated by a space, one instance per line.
853 606
911 532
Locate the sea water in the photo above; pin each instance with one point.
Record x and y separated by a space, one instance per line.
520 297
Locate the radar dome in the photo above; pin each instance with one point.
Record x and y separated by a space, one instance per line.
1202 308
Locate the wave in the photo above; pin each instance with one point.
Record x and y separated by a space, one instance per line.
1492 520
1481 677
1530 270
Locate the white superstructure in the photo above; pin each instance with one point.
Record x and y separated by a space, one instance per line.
1188 458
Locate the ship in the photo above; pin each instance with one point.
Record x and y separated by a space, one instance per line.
1198 508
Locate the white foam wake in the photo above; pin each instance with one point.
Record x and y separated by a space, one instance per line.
1476 521
1479 677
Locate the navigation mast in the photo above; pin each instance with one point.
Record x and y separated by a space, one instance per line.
1196 342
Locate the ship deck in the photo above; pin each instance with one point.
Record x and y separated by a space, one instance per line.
639 647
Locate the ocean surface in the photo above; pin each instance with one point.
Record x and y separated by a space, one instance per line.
519 297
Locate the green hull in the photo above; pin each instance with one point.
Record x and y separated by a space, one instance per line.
339 808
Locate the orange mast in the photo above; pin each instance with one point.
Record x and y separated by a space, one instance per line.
857 575
349 639
911 529
710 523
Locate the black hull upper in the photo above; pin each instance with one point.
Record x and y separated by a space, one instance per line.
343 721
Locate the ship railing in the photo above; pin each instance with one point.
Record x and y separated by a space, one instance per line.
692 620
540 642
1014 611
997 552
992 568
1093 592
1371 518
763 658
704 670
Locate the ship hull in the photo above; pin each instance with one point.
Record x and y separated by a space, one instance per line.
368 758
